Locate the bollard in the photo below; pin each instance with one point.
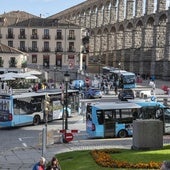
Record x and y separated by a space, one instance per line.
44 142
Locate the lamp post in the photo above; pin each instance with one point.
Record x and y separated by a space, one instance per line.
54 80
67 80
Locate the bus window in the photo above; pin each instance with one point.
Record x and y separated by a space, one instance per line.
27 106
124 116
100 117
108 115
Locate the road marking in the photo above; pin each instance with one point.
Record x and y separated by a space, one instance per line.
24 144
20 139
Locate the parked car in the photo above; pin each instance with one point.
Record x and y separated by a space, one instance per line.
125 94
92 93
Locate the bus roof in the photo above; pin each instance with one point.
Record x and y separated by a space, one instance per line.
117 71
116 105
145 103
127 73
38 93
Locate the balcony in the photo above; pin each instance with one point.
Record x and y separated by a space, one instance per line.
33 49
59 37
46 37
22 49
71 49
35 36
73 37
10 36
22 36
46 49
58 49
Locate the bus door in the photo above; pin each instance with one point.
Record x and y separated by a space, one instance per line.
109 123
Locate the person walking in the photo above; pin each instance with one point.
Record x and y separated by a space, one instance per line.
40 165
54 165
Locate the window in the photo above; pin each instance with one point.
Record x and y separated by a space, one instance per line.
34 31
59 46
22 33
46 45
1 62
10 43
46 34
12 62
71 34
10 33
34 34
71 46
46 60
22 45
34 46
100 117
34 58
59 34
46 31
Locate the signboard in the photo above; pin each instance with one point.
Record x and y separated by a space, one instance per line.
68 137
57 110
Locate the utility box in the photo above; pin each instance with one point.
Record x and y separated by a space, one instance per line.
147 134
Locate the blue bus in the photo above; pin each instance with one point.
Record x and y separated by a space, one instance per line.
126 80
153 110
29 107
104 120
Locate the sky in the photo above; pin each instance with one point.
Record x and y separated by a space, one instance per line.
36 7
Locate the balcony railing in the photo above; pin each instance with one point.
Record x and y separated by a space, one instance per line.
71 49
46 37
10 36
24 49
58 49
33 49
59 37
73 37
22 36
46 49
35 36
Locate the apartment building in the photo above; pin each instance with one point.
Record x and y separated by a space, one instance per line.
49 43
11 59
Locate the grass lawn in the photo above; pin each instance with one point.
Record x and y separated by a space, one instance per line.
82 160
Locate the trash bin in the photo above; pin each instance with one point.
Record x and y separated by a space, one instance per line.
147 134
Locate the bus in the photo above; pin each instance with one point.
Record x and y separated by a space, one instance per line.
126 80
28 108
104 120
153 110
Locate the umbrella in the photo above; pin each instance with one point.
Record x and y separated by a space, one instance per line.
31 77
34 72
7 78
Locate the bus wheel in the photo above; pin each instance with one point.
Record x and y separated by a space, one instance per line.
36 120
122 134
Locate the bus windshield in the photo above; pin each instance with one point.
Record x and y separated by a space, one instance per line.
4 105
128 79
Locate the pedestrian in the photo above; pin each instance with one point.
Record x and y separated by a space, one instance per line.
40 165
54 164
165 165
116 87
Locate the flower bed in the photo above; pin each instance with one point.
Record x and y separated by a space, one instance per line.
103 158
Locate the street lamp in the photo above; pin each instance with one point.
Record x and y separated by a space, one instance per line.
67 80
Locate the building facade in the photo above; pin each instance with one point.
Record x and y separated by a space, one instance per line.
11 59
134 34
50 44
